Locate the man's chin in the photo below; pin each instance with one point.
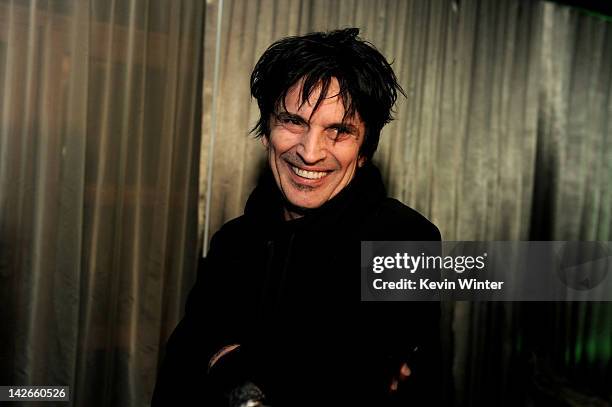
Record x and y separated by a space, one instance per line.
301 198
301 208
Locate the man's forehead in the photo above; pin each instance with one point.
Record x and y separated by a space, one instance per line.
298 103
297 91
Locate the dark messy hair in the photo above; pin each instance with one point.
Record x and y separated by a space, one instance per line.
367 83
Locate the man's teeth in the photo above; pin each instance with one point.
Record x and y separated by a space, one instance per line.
308 174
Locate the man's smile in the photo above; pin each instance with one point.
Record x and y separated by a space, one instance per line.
312 175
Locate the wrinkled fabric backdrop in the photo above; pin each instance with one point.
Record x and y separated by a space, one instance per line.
99 146
119 159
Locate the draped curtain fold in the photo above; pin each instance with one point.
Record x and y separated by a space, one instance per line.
99 148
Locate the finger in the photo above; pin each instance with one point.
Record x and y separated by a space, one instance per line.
405 372
393 386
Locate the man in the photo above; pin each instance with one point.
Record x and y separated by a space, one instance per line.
276 308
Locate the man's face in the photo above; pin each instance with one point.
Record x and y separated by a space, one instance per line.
313 156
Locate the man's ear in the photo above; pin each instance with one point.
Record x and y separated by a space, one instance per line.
361 161
265 141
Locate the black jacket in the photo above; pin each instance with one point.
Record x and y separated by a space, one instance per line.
289 293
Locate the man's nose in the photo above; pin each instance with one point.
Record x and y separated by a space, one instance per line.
312 147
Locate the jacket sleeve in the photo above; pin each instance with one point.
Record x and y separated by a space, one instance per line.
206 327
414 333
421 320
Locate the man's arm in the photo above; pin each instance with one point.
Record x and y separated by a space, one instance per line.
413 348
207 327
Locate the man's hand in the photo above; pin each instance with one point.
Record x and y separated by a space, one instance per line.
402 375
247 395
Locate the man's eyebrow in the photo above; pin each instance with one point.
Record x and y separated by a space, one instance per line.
292 116
348 127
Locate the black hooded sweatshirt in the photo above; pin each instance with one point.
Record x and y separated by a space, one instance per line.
289 293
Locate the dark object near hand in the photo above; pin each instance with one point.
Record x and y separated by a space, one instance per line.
247 395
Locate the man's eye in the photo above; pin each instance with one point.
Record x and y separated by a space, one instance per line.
339 133
288 120
293 124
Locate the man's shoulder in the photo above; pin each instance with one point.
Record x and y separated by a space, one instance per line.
233 230
236 225
392 220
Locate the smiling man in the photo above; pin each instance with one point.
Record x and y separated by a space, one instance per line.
275 315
